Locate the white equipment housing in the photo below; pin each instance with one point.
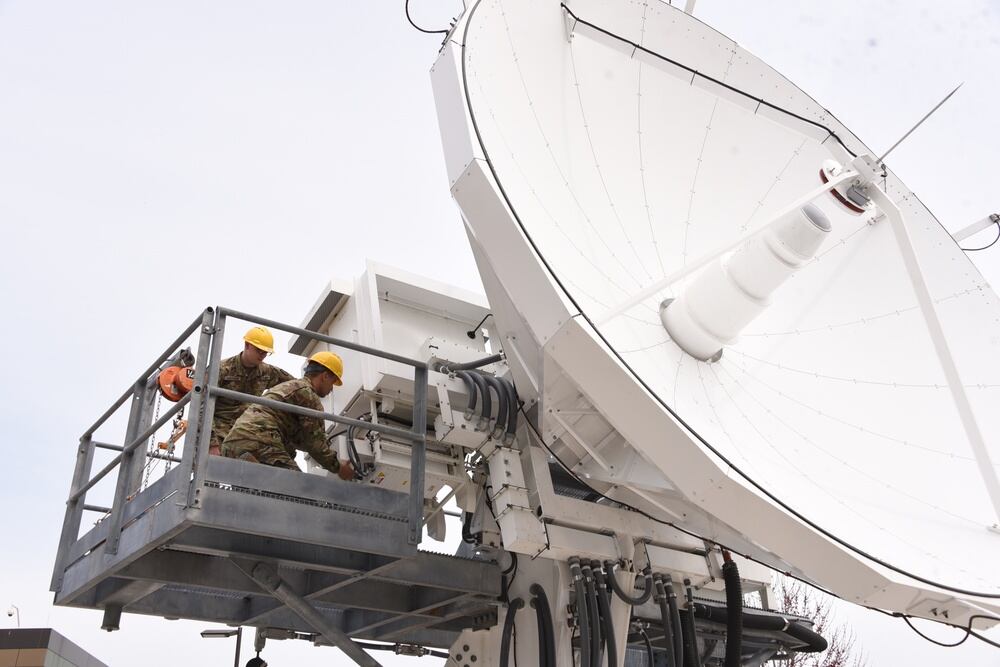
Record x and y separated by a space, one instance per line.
536 517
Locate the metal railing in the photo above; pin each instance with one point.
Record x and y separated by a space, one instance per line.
190 479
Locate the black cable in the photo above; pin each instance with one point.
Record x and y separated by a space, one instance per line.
506 583
542 642
969 632
353 456
360 470
690 640
582 613
471 333
429 32
514 573
467 535
608 628
690 636
593 615
649 516
702 440
967 628
514 404
734 611
649 647
515 645
665 622
486 405
503 405
983 639
546 611
546 632
647 573
469 365
595 568
675 622
990 244
695 72
512 567
508 630
470 389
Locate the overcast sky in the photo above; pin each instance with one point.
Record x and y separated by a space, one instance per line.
159 157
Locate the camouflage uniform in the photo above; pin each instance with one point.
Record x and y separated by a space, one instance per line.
265 435
237 377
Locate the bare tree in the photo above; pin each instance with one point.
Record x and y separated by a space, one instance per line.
796 598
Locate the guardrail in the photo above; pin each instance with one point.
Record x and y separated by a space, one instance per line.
131 458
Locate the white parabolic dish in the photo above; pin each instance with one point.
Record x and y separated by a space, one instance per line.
596 150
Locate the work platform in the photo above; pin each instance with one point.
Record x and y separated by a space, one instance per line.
240 543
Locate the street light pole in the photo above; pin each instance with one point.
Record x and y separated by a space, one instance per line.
238 632
239 641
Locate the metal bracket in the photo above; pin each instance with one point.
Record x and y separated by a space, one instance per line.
268 579
569 23
976 227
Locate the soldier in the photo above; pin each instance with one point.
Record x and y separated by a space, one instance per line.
270 436
246 373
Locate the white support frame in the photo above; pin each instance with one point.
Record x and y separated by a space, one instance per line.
976 227
685 271
945 357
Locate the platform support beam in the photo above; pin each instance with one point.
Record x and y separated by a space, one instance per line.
74 508
269 580
418 457
935 330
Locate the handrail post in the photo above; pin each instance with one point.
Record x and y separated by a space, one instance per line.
136 415
74 509
137 462
418 455
206 375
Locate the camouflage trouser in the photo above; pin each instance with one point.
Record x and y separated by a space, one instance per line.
220 429
259 452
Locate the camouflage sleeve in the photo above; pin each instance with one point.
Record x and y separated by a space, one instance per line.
281 375
313 440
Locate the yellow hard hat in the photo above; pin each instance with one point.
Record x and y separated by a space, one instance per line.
260 338
331 362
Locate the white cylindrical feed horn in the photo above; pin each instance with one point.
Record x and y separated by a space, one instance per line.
730 292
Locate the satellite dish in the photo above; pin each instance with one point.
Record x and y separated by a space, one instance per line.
674 233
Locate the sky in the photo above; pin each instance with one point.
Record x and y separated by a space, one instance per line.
157 158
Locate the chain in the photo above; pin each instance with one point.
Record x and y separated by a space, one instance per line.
178 423
151 447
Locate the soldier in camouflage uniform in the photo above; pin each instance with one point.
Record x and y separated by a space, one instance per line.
246 373
266 435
